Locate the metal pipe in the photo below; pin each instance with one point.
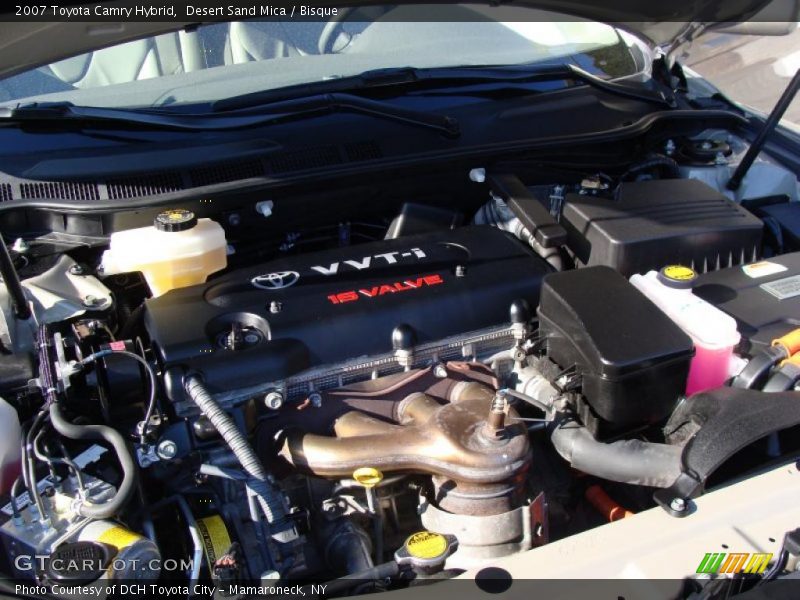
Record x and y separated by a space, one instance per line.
377 520
772 121
354 424
15 290
451 441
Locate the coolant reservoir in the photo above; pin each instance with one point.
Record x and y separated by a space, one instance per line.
713 332
10 446
177 251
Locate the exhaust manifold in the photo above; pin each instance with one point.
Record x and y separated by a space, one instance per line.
471 439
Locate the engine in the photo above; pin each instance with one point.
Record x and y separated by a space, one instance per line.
425 402
258 329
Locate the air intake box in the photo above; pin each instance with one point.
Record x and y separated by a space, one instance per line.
633 359
655 223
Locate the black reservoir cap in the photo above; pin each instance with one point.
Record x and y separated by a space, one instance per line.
176 219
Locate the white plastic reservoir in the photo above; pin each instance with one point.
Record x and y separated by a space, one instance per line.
713 332
10 446
178 250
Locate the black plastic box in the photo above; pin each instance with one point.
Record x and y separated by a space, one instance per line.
651 224
633 359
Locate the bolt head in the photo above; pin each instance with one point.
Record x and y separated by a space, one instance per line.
273 400
316 399
167 449
93 301
76 270
678 504
440 371
477 175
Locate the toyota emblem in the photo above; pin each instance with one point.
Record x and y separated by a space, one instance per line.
275 281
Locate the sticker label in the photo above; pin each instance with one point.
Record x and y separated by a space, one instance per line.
783 289
426 545
762 269
216 540
90 455
119 537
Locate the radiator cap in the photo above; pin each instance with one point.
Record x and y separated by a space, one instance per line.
426 551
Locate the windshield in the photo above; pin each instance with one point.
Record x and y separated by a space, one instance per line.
226 59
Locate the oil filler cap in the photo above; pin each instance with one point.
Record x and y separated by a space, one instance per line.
176 219
426 551
678 277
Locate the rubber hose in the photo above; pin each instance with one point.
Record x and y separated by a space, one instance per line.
626 461
124 456
757 370
670 167
269 496
783 380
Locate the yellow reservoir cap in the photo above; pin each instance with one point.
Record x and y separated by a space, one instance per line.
677 276
426 545
789 342
368 476
174 220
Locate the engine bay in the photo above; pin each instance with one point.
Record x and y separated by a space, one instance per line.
396 391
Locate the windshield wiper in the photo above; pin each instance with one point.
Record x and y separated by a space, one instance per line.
408 78
298 108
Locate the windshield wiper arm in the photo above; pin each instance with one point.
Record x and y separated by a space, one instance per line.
407 78
299 108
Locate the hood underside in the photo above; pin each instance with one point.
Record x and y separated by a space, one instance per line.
27 45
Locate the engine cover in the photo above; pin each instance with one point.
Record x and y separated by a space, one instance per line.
273 320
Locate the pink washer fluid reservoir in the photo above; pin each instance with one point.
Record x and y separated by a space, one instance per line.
713 332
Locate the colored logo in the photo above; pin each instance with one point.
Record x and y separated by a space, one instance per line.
734 562
387 288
